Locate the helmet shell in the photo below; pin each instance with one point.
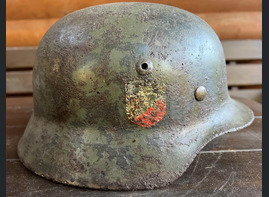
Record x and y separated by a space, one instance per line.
115 97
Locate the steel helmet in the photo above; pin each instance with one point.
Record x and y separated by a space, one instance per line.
125 96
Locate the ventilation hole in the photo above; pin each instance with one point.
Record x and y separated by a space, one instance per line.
144 66
98 92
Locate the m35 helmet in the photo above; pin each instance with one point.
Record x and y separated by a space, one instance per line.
125 96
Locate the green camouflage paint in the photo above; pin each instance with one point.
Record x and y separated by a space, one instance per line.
90 97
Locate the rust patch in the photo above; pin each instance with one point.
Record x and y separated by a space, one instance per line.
145 102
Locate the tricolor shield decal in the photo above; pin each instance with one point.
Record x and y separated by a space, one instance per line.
145 102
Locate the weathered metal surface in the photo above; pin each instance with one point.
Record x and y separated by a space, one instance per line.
101 121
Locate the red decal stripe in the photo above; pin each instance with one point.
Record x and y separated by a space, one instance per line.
153 115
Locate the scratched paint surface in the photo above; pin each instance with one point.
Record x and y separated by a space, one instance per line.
145 102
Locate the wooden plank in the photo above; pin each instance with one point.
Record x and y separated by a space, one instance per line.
18 110
19 82
252 94
235 50
244 75
234 25
210 174
13 135
33 9
20 57
27 32
19 102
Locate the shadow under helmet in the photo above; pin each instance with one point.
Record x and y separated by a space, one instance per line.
125 96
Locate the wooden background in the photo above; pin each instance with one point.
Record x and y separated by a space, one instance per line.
238 24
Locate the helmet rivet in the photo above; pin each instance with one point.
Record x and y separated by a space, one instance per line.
200 93
144 67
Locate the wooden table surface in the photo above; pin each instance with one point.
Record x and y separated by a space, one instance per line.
230 165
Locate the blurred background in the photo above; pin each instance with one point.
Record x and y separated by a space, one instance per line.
238 24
